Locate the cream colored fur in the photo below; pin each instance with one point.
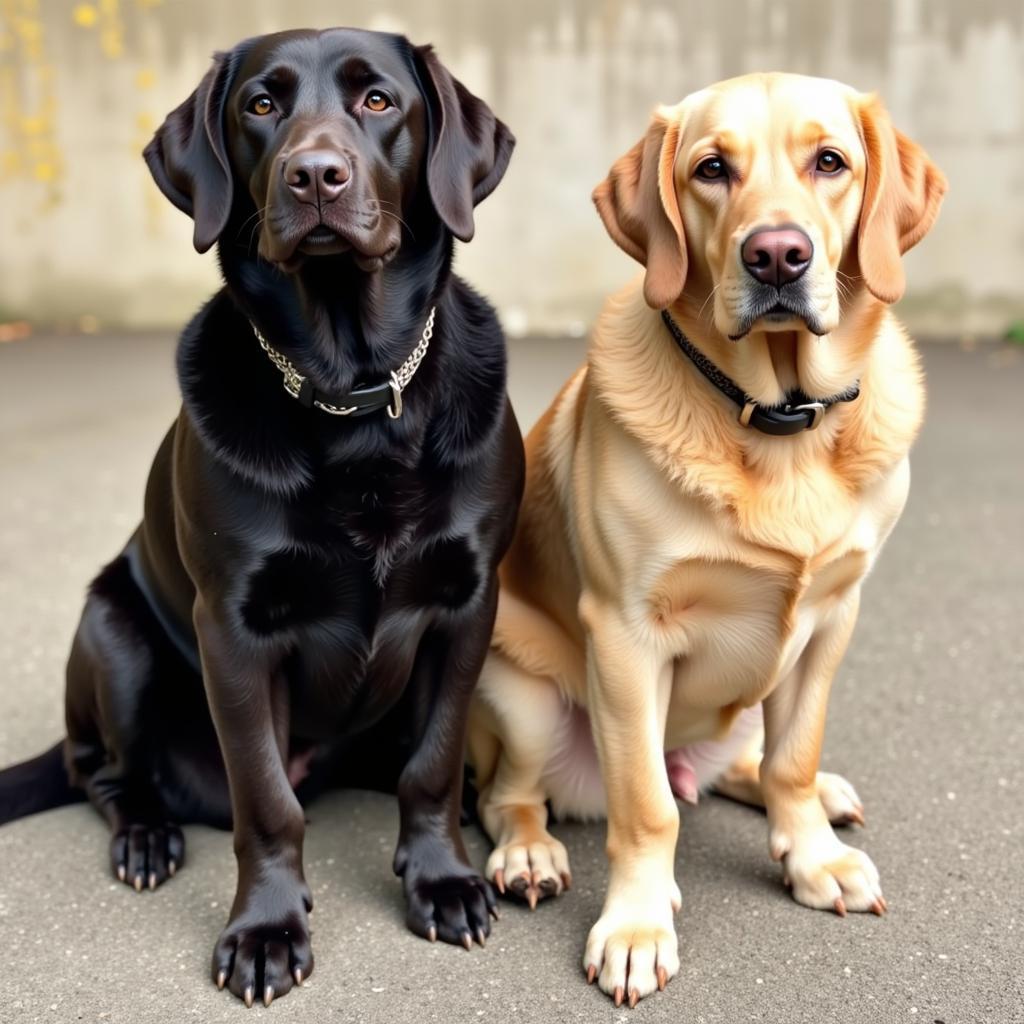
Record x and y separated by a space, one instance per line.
672 568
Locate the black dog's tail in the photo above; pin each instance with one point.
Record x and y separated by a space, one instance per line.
36 785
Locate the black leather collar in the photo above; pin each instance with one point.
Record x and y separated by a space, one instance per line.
358 402
797 413
361 400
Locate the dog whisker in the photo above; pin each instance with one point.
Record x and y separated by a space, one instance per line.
393 216
258 215
711 295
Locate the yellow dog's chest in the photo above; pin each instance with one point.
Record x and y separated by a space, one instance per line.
727 586
734 629
732 615
735 619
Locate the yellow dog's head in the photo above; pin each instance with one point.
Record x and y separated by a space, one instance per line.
779 195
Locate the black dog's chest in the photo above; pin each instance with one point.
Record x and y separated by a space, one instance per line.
294 589
373 508
348 641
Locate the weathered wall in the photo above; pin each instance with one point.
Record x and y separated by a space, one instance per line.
83 230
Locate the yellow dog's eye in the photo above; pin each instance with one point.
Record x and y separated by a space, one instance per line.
829 162
714 168
262 105
377 102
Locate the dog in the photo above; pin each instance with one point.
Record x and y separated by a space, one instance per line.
310 595
703 501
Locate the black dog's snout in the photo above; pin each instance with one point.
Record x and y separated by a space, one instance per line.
777 256
317 175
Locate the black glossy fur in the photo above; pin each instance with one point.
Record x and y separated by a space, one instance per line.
335 578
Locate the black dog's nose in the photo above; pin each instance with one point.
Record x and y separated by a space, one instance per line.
777 255
317 175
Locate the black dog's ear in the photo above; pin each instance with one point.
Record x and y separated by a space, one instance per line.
188 154
469 147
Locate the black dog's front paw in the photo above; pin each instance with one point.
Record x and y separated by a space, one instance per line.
145 856
265 949
447 900
454 909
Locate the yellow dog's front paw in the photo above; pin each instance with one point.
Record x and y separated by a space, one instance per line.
530 871
826 874
632 951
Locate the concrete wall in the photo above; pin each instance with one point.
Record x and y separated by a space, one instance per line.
82 85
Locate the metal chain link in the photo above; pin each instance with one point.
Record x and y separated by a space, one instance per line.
405 372
400 378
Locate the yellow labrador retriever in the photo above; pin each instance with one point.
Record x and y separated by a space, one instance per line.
703 501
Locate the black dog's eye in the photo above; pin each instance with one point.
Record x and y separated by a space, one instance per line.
714 168
829 161
262 105
377 101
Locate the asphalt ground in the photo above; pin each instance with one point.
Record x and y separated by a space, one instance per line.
925 719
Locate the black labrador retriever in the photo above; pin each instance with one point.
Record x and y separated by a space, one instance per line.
311 592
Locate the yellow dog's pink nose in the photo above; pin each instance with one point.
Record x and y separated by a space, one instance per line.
777 255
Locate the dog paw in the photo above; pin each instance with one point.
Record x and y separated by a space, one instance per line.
826 874
530 871
632 950
455 908
145 856
840 800
258 960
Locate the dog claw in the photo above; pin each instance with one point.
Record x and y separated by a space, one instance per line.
499 880
619 995
467 941
152 880
172 868
884 904
662 979
481 938
493 911
839 906
432 933
634 998
566 881
248 996
591 974
222 979
268 995
297 975
138 883
531 897
878 907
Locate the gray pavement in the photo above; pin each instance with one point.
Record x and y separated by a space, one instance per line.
925 720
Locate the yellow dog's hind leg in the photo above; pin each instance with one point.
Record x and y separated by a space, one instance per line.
513 725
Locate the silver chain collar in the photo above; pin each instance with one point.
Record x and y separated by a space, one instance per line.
293 380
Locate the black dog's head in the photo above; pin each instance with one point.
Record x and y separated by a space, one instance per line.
319 141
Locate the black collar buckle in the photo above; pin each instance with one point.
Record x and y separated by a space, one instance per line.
798 414
783 421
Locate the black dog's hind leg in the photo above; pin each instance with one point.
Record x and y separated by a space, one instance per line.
113 740
445 897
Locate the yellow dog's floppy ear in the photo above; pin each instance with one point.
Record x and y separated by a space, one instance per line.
638 204
902 195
